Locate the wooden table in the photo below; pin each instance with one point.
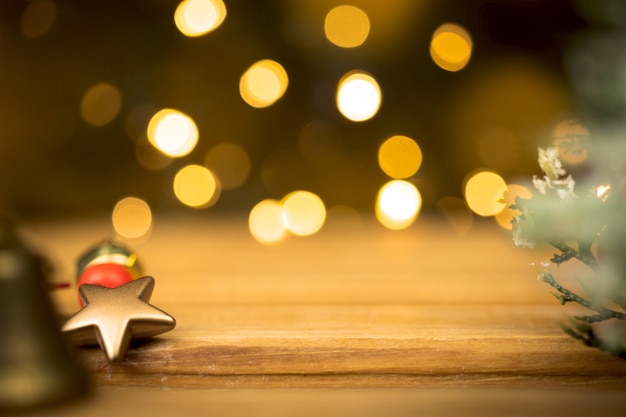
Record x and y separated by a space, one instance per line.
355 320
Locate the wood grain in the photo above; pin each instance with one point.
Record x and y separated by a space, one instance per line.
353 306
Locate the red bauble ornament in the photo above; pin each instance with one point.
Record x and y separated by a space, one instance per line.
108 275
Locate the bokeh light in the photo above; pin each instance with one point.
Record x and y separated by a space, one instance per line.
263 83
513 191
100 104
304 213
484 193
399 157
571 137
266 222
457 214
230 163
451 47
172 132
347 26
398 204
358 96
132 218
37 18
196 186
199 17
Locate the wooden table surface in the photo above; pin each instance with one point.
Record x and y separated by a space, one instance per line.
355 320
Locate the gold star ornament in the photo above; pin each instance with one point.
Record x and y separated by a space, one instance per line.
112 317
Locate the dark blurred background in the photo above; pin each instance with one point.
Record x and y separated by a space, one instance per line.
492 114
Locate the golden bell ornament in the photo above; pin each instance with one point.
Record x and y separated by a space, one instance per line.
37 366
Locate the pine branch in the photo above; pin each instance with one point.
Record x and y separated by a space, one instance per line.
566 296
583 253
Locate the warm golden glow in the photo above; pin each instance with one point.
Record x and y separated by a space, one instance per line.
198 17
399 157
230 163
451 47
196 186
37 18
398 204
172 132
263 83
100 104
484 192
304 213
132 218
266 222
358 96
347 26
505 217
602 191
457 214
570 137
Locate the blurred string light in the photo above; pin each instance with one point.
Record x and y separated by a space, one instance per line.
301 213
132 218
198 17
172 132
230 163
398 204
100 104
451 47
37 18
457 214
570 137
196 186
513 191
484 192
399 157
263 83
358 96
266 222
347 26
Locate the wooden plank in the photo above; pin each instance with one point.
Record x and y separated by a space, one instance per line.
358 306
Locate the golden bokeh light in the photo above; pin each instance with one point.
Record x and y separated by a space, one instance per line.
37 18
399 157
172 132
457 214
451 47
570 136
263 83
398 204
198 17
513 191
347 26
484 193
196 186
132 218
266 222
358 96
304 213
100 104
230 163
